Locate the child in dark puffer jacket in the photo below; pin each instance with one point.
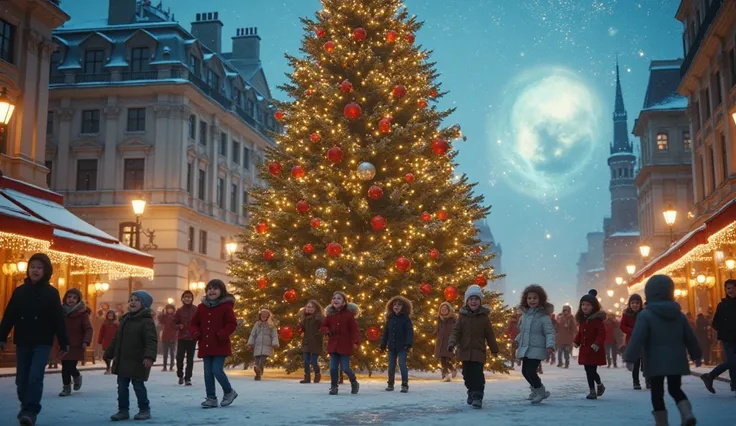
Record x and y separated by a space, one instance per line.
398 338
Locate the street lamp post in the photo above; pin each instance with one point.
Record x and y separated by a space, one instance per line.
619 280
670 215
645 249
630 269
231 248
139 207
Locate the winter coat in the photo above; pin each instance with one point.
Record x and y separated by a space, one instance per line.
536 332
471 333
183 320
35 312
212 325
264 337
313 340
78 330
106 333
592 331
512 329
613 332
342 329
169 331
724 320
442 333
662 333
701 328
135 340
398 332
628 321
565 331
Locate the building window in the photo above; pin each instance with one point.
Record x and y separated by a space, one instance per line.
87 175
717 86
128 234
712 164
139 59
91 121
663 142
702 177
223 248
686 141
203 132
213 80
732 62
7 41
203 241
93 61
245 203
49 165
233 197
706 100
194 65
724 158
200 184
50 123
189 178
136 119
223 144
133 173
221 193
236 152
192 127
190 239
246 157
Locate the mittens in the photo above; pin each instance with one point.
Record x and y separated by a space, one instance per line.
594 347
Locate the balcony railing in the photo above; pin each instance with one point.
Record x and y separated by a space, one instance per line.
56 79
140 75
710 16
90 78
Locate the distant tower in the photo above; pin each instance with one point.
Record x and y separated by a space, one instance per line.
486 237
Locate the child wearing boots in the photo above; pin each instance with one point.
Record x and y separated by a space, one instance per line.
133 352
212 325
628 321
36 315
663 334
398 338
564 333
724 322
472 332
590 339
263 339
169 333
536 339
186 344
342 333
79 333
310 323
106 333
612 339
445 322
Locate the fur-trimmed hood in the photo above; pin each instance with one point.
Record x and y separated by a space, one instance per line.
212 303
600 315
351 307
450 315
482 310
548 308
268 322
405 309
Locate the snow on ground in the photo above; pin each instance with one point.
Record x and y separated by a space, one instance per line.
280 400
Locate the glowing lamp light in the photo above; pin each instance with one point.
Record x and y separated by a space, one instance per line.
610 293
678 292
616 305
730 263
619 280
170 301
700 278
139 206
720 256
231 248
670 215
630 269
732 115
645 249
22 266
6 107
622 300
683 292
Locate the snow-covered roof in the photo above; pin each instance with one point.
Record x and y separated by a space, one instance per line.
674 102
625 234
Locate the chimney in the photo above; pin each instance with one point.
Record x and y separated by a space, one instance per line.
121 12
247 45
207 28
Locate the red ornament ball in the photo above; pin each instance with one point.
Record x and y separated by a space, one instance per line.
335 154
290 295
425 288
434 254
274 168
480 280
262 282
426 216
451 293
346 86
302 206
403 264
440 146
334 249
329 46
399 91
476 250
315 222
359 34
410 38
373 333
391 36
375 192
269 255
297 172
378 223
286 333
442 215
384 125
433 93
352 111
320 32
278 115
262 227
409 177
308 249
422 103
309 92
315 137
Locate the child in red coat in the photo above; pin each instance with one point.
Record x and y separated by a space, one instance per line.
590 339
340 325
79 331
168 334
107 333
212 325
628 321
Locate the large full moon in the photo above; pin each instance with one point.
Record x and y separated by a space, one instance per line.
547 130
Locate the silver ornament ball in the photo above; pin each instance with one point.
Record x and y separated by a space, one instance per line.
320 274
366 171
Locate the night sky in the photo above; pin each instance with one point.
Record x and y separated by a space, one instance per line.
533 84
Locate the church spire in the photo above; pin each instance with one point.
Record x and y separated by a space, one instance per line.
619 108
620 125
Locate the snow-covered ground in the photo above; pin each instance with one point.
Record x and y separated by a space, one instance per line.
280 400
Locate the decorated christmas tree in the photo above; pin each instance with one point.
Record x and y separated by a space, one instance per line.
360 192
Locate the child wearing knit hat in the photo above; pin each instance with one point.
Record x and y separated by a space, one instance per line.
472 332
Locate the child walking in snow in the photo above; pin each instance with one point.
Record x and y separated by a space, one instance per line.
169 334
628 321
663 334
312 340
590 339
79 332
186 343
398 338
472 332
263 339
106 333
445 322
724 322
133 352
612 340
342 330
212 325
536 339
564 333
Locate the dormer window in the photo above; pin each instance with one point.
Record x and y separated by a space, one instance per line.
194 65
213 79
140 58
93 61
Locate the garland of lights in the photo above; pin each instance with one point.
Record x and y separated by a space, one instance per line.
22 243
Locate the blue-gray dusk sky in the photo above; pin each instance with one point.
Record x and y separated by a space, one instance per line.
533 84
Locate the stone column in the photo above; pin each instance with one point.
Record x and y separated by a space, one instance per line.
160 159
111 115
64 178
